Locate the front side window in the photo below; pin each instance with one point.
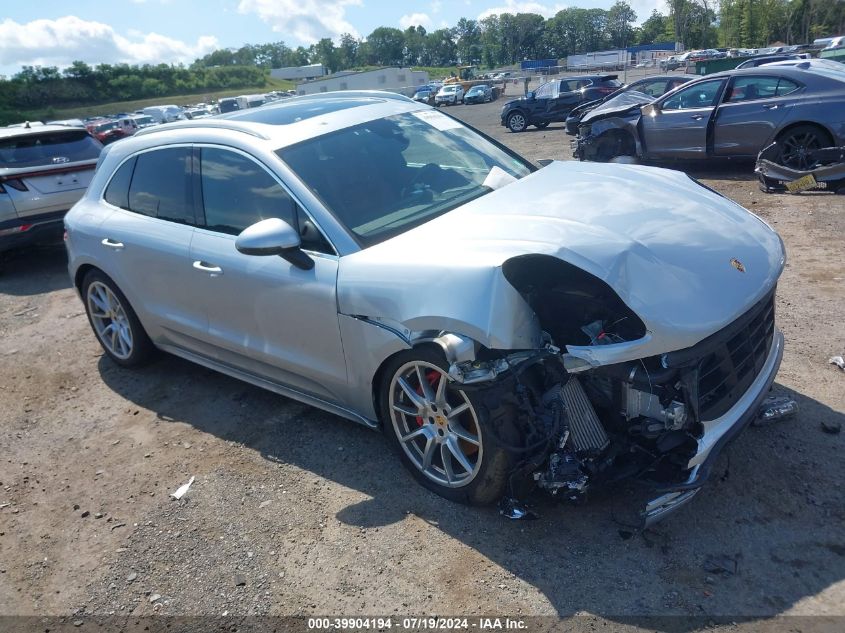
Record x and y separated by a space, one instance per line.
237 192
701 95
161 185
545 91
384 177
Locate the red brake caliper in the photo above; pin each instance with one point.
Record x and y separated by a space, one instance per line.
432 377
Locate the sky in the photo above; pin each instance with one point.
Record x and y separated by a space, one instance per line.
57 32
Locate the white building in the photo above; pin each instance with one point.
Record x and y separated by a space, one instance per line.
299 73
402 80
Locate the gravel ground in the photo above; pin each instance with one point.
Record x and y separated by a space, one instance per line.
297 512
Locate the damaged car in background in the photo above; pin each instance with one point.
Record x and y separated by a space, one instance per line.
827 172
506 327
734 114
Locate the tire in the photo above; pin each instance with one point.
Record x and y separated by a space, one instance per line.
517 122
114 322
798 142
542 126
484 476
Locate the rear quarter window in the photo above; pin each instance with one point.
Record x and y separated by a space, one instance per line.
117 193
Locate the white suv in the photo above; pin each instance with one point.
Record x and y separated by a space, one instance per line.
450 94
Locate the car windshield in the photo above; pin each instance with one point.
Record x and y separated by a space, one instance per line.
384 177
48 149
448 89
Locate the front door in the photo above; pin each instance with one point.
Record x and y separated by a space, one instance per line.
265 315
678 126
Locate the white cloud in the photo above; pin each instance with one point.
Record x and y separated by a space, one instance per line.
306 21
415 19
436 5
515 6
59 42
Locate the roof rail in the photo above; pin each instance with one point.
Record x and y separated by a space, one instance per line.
219 124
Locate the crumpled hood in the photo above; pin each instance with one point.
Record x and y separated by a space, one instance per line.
660 240
620 104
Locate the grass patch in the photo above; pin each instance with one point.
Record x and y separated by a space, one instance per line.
82 111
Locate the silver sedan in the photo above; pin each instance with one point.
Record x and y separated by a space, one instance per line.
507 327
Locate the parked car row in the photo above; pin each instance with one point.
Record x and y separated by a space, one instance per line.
797 104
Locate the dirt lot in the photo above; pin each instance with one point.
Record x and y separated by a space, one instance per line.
294 511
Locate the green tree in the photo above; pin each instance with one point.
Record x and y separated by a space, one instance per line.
386 46
620 21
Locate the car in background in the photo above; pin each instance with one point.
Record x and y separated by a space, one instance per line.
552 101
675 61
425 95
228 104
569 332
164 113
479 94
44 170
731 114
449 94
144 121
769 59
107 130
197 113
655 86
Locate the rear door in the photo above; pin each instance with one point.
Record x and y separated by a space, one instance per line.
751 111
678 126
145 243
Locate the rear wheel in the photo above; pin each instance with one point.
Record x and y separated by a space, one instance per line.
798 144
443 435
517 122
114 322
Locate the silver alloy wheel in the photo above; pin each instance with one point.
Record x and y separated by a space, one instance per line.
437 428
516 122
110 321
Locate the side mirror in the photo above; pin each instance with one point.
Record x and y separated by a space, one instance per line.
530 95
273 236
650 109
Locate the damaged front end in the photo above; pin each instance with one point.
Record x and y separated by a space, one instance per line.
828 173
660 420
611 130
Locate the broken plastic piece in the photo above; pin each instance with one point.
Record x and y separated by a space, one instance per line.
515 509
838 361
181 490
775 408
497 178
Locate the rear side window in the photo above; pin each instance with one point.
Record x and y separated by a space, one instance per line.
752 88
785 87
238 192
161 185
117 193
48 148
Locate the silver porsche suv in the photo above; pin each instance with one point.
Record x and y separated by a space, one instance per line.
508 327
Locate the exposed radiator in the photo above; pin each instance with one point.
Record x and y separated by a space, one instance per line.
586 431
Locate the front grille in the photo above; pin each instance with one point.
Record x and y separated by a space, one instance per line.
731 365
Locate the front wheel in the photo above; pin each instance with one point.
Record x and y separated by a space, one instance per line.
441 432
517 122
798 145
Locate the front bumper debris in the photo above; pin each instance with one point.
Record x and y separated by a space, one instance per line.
829 175
717 435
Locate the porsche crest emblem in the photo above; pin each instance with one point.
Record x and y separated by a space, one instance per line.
737 264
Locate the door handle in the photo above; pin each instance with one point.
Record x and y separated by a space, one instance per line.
697 117
112 243
771 106
208 268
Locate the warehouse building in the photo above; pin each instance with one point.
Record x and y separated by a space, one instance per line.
402 80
